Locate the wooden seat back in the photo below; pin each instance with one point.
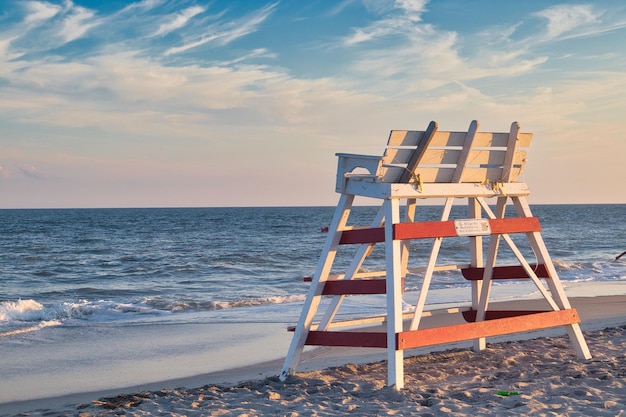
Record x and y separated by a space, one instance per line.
475 157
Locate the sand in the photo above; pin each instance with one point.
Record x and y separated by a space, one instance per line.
543 371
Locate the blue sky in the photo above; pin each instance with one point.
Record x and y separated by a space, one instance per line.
245 103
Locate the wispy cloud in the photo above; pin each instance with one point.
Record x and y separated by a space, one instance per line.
143 5
413 56
578 21
339 7
4 173
401 18
179 20
565 19
204 39
6 53
413 8
39 11
77 22
30 171
224 33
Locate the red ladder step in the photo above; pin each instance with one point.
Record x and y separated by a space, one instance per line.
425 230
459 332
347 339
470 315
355 286
447 334
505 272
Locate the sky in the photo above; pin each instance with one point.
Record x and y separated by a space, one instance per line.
194 103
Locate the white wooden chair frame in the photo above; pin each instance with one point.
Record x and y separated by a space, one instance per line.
433 164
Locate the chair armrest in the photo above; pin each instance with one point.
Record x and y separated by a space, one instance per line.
349 162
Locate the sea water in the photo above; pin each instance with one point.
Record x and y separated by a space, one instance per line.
81 267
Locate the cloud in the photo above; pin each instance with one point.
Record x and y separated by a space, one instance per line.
30 171
413 8
142 5
225 33
402 16
564 19
399 54
179 20
578 21
77 23
4 173
5 52
39 11
256 53
339 7
194 44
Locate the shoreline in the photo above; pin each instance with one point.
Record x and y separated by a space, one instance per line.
596 312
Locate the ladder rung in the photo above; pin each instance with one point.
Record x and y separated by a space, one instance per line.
470 315
449 267
357 287
459 332
347 339
434 229
366 274
505 272
383 318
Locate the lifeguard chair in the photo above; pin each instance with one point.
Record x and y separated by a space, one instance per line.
433 164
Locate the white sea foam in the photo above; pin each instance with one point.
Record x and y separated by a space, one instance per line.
26 310
23 316
568 265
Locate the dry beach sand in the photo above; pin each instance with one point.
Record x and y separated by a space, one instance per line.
542 368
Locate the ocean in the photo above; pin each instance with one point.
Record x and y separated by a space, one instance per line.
102 267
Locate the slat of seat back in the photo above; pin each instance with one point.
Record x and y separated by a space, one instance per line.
400 147
440 156
490 139
404 138
487 174
397 156
481 140
436 174
476 157
439 165
391 173
448 139
478 175
485 157
403 152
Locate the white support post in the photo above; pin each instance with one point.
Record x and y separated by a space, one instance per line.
476 261
395 365
313 299
430 268
492 254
